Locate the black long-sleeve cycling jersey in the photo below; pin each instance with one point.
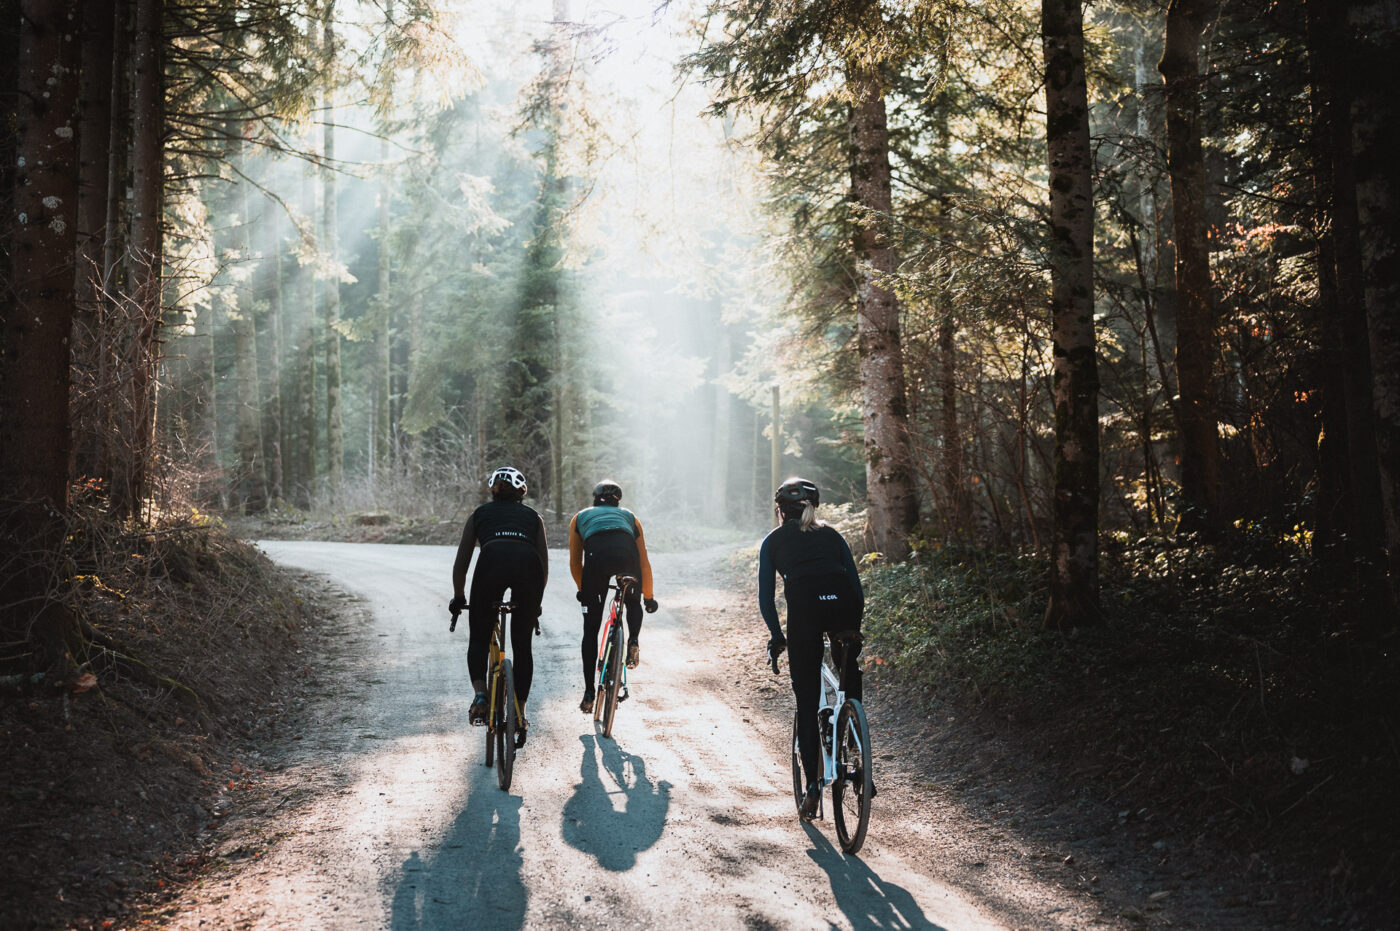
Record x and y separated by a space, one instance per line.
798 554
497 521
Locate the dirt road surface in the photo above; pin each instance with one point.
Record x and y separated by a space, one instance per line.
381 814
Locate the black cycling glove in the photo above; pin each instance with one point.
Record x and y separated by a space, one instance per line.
650 604
776 646
457 605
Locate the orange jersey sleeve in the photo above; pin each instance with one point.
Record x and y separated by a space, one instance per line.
575 553
646 563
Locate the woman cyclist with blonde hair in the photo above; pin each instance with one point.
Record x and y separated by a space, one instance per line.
824 595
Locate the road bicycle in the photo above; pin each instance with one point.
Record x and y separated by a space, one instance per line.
845 748
612 653
503 733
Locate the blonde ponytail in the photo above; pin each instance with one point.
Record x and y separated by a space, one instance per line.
809 517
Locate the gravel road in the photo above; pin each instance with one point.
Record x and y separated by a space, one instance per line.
684 820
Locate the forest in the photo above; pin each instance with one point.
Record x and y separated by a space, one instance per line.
1085 318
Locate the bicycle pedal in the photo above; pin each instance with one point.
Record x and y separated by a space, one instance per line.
623 697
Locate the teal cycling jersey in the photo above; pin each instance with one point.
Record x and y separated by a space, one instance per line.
597 519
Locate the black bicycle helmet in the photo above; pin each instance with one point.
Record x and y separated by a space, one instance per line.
508 482
607 488
795 491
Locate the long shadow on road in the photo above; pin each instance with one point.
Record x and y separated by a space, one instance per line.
593 823
868 901
473 879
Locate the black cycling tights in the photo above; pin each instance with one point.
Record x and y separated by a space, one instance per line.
606 554
815 606
501 566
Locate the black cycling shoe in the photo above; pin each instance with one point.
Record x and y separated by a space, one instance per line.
586 705
811 801
522 730
477 712
634 655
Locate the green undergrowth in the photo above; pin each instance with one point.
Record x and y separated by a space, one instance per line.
1231 685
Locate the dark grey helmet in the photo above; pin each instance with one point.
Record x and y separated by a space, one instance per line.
607 488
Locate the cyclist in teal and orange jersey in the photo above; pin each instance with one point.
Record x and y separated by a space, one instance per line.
606 540
823 593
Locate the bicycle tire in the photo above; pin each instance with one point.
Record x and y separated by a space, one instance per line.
798 787
505 729
602 679
854 783
491 689
615 674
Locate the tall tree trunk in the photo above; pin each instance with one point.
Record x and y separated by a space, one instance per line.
380 370
1147 194
330 245
719 456
94 140
1375 112
1347 361
252 486
1367 527
954 501
307 345
131 469
411 344
1074 547
1196 347
118 232
893 506
37 328
252 479
273 426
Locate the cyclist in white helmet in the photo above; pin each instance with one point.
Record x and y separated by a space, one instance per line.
514 555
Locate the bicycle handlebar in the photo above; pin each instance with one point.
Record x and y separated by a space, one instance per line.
501 606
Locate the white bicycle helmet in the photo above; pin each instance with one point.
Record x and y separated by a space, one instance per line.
510 478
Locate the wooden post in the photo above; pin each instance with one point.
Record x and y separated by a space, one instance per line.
777 470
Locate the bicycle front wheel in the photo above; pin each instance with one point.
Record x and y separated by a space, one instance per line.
854 783
614 673
506 724
797 785
604 671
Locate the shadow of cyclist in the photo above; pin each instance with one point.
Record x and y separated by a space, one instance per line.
592 821
473 879
867 900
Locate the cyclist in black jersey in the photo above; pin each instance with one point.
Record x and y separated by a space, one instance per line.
515 556
824 595
606 540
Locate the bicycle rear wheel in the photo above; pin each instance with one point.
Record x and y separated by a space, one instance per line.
506 724
492 687
854 783
798 788
614 672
